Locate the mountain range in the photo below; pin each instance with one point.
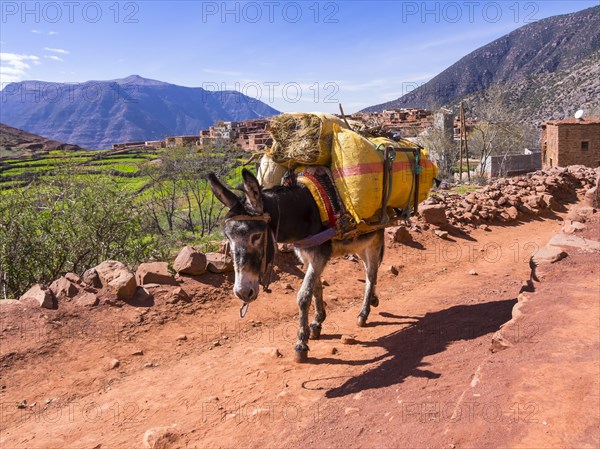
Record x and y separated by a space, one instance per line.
96 114
558 55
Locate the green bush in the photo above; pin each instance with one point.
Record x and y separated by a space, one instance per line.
69 223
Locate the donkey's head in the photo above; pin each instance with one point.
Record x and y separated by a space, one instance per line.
247 228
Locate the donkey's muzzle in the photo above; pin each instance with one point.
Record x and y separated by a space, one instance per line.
246 294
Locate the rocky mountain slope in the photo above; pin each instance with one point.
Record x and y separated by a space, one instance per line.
14 142
96 114
552 64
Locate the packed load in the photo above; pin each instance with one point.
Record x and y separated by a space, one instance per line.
358 170
303 138
370 175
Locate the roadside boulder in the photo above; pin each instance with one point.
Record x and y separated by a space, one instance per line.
40 295
218 263
154 273
88 299
73 277
62 288
512 212
190 261
592 196
116 278
399 234
433 214
91 278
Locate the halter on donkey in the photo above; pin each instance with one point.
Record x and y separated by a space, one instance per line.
260 219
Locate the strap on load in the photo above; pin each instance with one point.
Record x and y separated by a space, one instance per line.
388 163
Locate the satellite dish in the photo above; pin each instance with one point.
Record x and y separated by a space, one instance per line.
579 114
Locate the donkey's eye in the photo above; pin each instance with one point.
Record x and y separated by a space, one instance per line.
255 238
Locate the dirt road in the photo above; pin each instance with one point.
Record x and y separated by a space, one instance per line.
420 375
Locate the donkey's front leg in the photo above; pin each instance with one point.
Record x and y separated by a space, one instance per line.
313 273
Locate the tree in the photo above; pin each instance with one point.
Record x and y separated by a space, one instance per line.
180 196
497 131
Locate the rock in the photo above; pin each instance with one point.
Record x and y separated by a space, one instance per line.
548 202
218 263
592 196
499 343
351 411
39 295
138 352
574 241
10 302
548 254
394 270
433 214
87 300
347 340
512 212
160 437
190 261
63 289
400 234
182 337
472 272
114 363
573 227
117 279
154 273
289 287
73 277
334 350
441 234
177 295
91 278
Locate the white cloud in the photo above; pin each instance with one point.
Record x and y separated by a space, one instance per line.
52 33
57 50
13 67
36 31
53 57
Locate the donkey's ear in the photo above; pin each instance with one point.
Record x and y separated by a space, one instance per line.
253 191
223 194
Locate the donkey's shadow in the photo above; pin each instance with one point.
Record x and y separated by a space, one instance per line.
406 348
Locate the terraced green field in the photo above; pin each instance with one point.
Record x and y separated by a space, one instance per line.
125 165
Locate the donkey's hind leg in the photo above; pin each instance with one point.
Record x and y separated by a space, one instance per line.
320 314
371 256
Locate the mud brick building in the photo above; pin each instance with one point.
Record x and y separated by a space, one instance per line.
180 141
571 142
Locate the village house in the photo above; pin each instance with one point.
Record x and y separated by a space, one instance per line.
571 142
180 141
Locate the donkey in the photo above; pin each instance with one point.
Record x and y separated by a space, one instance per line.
260 219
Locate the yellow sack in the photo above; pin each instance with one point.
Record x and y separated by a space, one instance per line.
303 138
357 169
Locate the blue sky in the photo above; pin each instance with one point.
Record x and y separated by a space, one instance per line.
295 56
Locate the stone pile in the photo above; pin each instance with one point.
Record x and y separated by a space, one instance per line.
508 199
113 283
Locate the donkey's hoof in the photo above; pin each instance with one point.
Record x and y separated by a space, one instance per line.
374 301
301 356
315 332
361 321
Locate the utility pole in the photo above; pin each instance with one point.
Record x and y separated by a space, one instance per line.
460 150
463 134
